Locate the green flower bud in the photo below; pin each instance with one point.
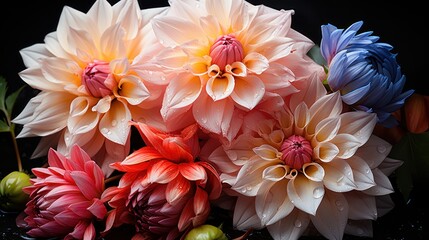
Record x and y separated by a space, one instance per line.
206 232
12 198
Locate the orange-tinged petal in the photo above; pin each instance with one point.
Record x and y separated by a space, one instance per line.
192 171
176 189
163 172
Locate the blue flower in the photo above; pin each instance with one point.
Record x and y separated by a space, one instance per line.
364 70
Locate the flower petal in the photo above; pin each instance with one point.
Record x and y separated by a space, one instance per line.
305 194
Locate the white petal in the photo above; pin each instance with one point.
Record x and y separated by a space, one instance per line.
338 176
82 119
249 178
347 145
272 202
245 216
115 123
325 151
389 165
359 124
331 217
360 228
181 92
383 187
256 62
248 91
305 194
374 151
361 206
175 31
362 174
291 227
31 55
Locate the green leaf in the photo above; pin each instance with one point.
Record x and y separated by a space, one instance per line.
11 99
4 127
3 90
413 150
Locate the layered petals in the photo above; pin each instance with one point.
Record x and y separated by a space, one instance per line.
86 75
343 167
230 55
165 188
65 197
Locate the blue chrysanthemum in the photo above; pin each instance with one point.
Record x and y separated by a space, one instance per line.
364 70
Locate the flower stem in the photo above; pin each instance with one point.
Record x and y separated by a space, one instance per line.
15 146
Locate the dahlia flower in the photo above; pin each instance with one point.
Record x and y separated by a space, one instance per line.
165 191
65 197
90 73
228 55
364 70
308 162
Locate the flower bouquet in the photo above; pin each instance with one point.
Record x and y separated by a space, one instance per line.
210 119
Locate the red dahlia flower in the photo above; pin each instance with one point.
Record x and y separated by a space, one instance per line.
165 190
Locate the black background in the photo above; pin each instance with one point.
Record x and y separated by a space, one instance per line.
399 23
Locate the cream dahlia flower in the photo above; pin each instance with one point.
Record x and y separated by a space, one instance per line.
309 162
65 197
228 56
90 73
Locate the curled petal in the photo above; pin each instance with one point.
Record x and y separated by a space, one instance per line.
219 88
313 171
133 90
256 63
267 152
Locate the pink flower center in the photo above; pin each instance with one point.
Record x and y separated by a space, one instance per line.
296 151
95 78
226 50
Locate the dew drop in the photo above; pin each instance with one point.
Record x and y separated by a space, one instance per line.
381 149
298 223
340 205
114 123
248 188
104 130
318 192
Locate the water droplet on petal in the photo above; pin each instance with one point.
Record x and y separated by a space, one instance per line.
340 205
248 188
114 123
298 223
104 130
381 149
318 192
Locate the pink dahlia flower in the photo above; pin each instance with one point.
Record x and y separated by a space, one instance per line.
229 55
93 78
65 197
308 162
165 190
